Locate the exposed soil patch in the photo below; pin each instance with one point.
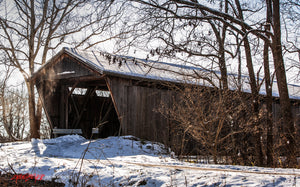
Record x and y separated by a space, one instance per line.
9 179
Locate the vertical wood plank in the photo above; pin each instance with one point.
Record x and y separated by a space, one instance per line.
147 107
62 107
124 114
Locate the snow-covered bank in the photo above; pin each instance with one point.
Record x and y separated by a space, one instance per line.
127 161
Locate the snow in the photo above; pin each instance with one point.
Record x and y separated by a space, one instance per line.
66 73
128 161
162 71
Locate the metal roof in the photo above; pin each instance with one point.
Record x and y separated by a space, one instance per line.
131 67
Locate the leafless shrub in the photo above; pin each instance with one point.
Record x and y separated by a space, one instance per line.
220 122
14 115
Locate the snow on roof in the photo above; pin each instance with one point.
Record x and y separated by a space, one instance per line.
132 67
126 66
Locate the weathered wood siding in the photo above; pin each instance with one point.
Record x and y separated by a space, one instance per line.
50 100
137 107
277 119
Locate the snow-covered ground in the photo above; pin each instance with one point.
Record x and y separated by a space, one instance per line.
127 161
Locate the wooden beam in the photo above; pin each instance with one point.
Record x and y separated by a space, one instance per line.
67 110
73 88
81 79
108 81
41 90
62 107
88 93
75 106
106 115
112 96
72 131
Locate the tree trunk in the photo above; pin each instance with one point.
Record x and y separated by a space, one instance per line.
38 114
223 68
33 119
285 105
254 93
268 87
220 37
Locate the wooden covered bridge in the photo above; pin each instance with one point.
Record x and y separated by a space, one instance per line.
98 94
91 91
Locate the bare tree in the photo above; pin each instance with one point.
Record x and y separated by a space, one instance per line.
285 104
4 104
185 39
291 16
31 30
13 107
200 12
253 85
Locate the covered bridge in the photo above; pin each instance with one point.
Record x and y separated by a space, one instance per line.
114 94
